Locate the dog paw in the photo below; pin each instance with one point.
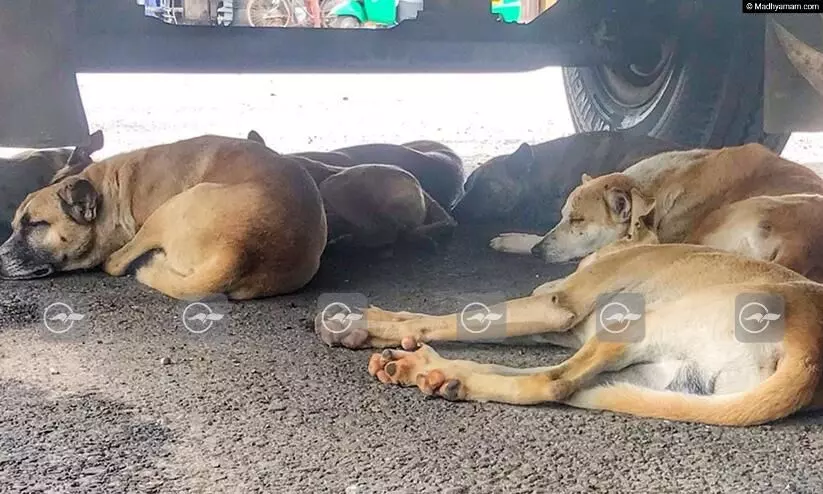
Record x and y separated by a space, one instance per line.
424 368
337 326
513 243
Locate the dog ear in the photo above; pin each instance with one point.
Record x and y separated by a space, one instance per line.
80 157
96 141
254 136
521 160
620 203
79 200
641 204
643 207
82 154
585 178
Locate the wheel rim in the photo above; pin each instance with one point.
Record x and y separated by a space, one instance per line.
628 93
269 13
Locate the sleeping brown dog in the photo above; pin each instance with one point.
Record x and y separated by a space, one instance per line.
375 205
436 166
194 218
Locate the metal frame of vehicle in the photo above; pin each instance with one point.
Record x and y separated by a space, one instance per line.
453 36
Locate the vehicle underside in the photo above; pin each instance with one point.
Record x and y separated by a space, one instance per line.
691 71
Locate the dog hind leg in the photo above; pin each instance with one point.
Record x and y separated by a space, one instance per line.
438 222
209 279
471 381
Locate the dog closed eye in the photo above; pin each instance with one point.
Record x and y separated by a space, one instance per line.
26 222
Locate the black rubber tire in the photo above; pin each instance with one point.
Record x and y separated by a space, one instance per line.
710 95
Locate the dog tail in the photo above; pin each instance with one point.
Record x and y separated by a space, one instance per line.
789 389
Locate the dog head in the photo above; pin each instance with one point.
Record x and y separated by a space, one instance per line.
596 213
641 231
496 187
54 229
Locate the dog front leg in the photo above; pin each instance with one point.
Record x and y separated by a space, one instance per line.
379 328
471 381
515 243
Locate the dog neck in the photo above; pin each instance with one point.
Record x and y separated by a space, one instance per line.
116 224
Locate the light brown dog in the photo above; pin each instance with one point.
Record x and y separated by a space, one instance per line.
30 170
202 216
375 205
687 187
691 361
784 229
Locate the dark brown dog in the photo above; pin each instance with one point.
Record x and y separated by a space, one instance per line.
527 188
374 205
31 170
437 167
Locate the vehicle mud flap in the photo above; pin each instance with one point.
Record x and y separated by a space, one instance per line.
40 102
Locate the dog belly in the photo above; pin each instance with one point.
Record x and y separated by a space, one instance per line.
689 346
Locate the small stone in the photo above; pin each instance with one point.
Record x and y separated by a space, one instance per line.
53 371
165 361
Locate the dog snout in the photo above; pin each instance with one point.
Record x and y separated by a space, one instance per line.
19 261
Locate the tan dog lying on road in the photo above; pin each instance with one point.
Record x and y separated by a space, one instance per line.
689 188
436 166
526 189
202 216
785 229
691 361
30 170
375 205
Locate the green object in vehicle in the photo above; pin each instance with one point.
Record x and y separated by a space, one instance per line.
508 10
352 8
381 11
376 11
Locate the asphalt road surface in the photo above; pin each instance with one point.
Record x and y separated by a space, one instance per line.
129 400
